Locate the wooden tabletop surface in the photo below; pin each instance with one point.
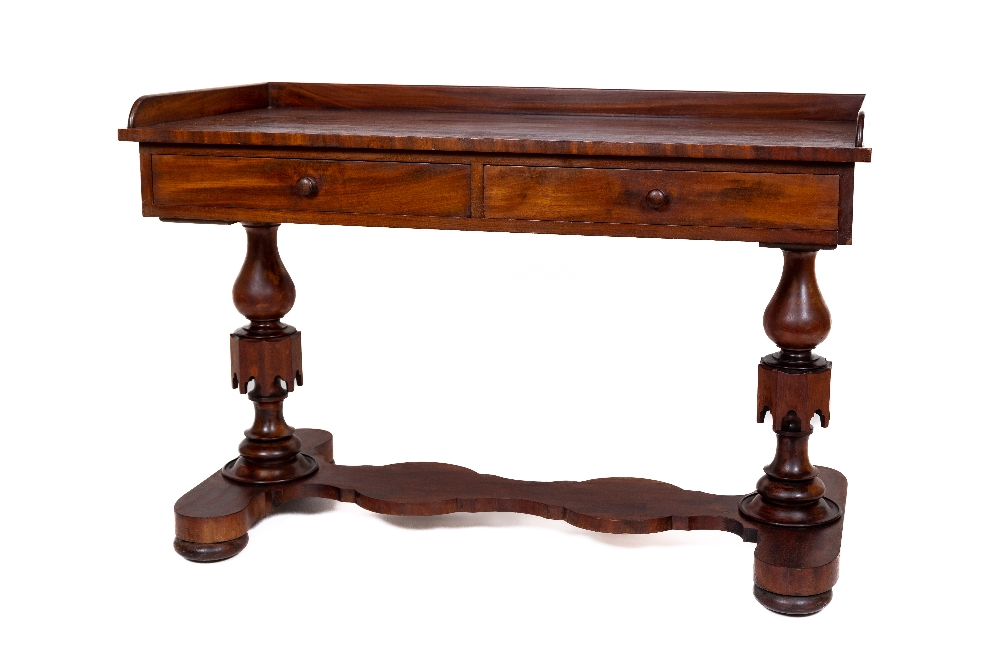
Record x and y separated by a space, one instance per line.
663 124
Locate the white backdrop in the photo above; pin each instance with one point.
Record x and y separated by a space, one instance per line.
534 357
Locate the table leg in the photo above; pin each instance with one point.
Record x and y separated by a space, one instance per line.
795 564
266 354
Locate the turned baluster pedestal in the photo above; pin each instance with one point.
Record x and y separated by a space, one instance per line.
796 568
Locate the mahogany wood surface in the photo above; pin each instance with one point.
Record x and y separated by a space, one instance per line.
346 186
797 318
769 126
780 392
738 226
218 510
480 132
713 199
794 384
789 562
155 109
569 101
267 353
226 215
627 136
614 505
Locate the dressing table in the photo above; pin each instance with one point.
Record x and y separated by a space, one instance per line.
769 168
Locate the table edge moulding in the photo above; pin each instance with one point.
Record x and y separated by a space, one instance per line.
776 169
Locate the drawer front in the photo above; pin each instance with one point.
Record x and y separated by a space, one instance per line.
651 197
341 186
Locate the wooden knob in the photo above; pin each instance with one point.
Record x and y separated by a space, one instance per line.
656 198
305 186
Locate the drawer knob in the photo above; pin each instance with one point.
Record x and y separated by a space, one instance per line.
656 198
305 186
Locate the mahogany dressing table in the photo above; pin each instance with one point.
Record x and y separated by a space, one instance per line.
775 169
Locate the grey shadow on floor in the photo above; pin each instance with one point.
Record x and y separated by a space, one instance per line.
306 506
461 520
672 538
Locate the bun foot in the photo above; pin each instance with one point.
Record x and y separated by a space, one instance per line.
792 605
210 552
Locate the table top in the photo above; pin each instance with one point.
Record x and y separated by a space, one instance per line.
618 123
774 168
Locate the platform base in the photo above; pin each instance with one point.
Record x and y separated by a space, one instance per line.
212 520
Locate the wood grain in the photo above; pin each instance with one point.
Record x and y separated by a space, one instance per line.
690 232
794 384
611 505
797 318
269 352
780 392
713 199
767 167
710 131
231 214
171 107
626 136
220 511
706 104
391 188
788 562
796 581
845 219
